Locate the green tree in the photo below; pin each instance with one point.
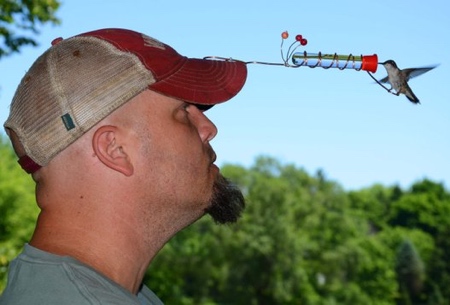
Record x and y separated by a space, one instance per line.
20 21
426 206
410 271
18 209
299 242
374 204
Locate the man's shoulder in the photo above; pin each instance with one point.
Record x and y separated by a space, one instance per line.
148 297
37 277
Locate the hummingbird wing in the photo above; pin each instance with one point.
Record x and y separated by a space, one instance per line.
384 79
414 72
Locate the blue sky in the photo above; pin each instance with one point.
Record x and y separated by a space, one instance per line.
337 121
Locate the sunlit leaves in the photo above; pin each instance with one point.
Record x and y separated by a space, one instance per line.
20 21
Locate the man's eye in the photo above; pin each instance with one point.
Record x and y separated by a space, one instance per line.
183 111
186 106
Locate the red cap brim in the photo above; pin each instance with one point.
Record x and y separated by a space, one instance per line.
199 81
205 82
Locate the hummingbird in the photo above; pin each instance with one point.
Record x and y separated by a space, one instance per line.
398 79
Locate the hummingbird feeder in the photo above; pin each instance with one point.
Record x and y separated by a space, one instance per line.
295 59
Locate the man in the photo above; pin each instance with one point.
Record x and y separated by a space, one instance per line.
110 125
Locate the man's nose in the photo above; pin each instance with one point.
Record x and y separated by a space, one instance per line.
206 128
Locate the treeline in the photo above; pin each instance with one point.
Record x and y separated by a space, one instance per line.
303 240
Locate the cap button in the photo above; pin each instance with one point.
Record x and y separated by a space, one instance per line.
56 40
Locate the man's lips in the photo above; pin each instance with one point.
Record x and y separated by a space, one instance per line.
212 154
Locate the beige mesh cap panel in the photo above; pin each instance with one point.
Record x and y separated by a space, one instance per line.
70 88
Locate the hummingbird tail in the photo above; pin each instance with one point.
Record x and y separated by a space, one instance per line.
412 97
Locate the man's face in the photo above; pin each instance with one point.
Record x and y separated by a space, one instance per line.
179 160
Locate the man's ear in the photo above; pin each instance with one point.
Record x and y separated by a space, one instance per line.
109 150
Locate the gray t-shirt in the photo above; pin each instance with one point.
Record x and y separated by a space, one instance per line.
38 277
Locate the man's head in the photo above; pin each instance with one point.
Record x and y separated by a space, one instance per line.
81 80
82 87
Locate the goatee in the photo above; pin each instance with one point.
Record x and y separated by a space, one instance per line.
227 203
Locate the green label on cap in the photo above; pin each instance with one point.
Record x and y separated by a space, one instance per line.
68 122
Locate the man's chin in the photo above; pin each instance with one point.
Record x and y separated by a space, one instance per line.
227 203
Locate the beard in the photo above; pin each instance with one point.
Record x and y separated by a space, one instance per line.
227 202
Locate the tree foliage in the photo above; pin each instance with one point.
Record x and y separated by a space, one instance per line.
20 21
303 240
17 207
410 271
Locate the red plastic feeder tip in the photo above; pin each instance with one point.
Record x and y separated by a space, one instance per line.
370 63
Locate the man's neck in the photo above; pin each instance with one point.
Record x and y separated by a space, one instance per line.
110 250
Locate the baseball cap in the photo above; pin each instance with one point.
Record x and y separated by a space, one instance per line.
80 80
